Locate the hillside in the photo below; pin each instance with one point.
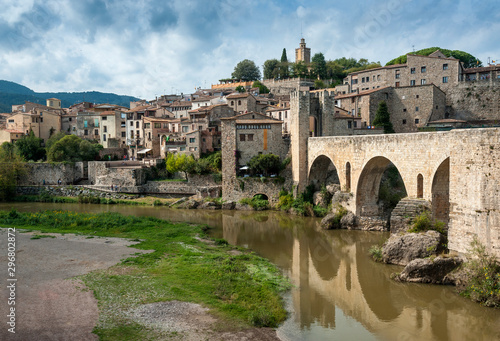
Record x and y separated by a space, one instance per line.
12 93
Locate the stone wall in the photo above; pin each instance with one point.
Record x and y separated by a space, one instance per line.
101 175
286 86
475 100
250 187
36 173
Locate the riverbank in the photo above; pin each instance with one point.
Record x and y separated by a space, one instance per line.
241 289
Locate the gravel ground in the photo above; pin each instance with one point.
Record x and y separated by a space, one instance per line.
52 306
49 306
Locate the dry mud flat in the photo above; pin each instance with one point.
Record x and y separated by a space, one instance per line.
52 306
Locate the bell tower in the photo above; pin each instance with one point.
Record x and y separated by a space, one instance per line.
303 53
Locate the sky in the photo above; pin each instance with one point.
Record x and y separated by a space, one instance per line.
147 48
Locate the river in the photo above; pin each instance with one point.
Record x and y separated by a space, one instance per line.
339 292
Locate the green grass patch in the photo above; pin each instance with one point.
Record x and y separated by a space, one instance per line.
241 288
40 236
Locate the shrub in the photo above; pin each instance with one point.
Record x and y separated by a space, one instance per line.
482 279
376 252
423 222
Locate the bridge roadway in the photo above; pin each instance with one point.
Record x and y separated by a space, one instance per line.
458 171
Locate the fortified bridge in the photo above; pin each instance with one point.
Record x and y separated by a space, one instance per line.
457 171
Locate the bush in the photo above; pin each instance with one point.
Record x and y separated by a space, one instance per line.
482 280
258 203
376 252
423 222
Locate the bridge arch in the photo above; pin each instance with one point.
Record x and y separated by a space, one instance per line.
323 172
367 190
441 192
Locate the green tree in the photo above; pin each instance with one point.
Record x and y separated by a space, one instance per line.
30 147
262 88
383 118
319 65
319 84
246 70
265 164
11 168
240 89
466 58
71 148
179 163
53 139
284 66
271 68
299 70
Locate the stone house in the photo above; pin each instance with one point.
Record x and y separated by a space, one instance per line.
114 129
242 103
134 131
179 109
88 125
42 122
156 131
10 135
68 123
281 114
53 103
79 107
251 134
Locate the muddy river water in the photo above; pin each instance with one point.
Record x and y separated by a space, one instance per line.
339 292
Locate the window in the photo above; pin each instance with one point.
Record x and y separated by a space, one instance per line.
104 137
147 125
104 118
185 129
354 81
367 79
423 69
378 77
41 119
137 124
11 121
404 110
250 137
137 133
423 81
412 70
96 122
232 102
131 123
397 84
416 108
239 102
286 114
363 80
69 119
445 66
157 125
445 79
416 96
200 127
242 137
85 132
85 124
131 134
404 121
124 134
105 129
96 132
437 106
417 121
355 124
349 124
412 82
192 140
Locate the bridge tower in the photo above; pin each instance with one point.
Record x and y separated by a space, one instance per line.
300 109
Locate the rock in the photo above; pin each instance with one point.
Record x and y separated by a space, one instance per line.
330 221
429 270
189 204
401 249
372 224
243 207
340 197
177 202
348 221
209 205
333 188
228 205
317 198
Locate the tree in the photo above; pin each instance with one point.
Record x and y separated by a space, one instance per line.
53 139
179 163
466 58
11 167
383 118
319 84
262 88
265 164
319 65
71 148
299 70
246 70
30 147
240 89
284 66
271 68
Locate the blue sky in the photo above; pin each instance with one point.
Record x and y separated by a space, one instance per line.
145 48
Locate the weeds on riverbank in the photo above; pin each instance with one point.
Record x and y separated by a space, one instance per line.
424 222
236 283
303 203
482 277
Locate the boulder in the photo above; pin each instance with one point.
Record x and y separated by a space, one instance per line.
229 205
317 198
348 221
243 207
333 188
340 197
190 204
401 249
330 221
429 270
209 205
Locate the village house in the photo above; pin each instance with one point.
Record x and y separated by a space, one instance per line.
10 135
281 114
88 125
242 103
179 109
68 123
114 130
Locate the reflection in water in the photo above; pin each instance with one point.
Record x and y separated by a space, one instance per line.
339 292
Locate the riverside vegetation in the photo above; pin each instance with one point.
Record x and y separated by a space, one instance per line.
240 287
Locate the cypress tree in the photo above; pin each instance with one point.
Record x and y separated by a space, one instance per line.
383 118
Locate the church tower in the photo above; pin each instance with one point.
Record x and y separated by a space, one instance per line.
303 53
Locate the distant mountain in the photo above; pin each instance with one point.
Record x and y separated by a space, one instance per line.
12 93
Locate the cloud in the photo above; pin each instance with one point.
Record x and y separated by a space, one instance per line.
149 47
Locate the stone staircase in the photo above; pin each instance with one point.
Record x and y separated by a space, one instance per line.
405 211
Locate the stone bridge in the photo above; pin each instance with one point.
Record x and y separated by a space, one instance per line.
457 171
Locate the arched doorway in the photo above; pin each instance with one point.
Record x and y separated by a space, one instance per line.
420 186
374 199
323 172
441 192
